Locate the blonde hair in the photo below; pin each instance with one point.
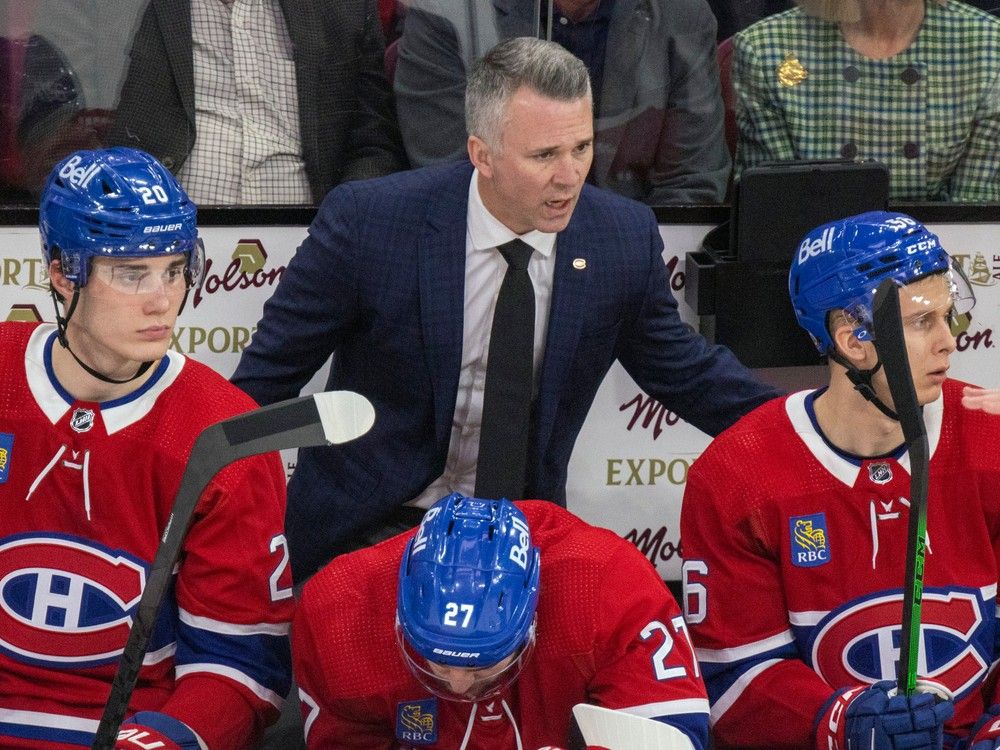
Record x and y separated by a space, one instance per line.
839 11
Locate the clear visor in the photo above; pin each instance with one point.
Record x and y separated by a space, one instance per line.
947 295
465 684
123 273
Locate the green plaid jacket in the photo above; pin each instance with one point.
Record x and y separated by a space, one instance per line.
931 113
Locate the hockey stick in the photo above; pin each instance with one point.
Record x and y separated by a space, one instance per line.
603 727
320 419
891 347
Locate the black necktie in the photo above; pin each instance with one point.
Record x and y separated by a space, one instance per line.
503 439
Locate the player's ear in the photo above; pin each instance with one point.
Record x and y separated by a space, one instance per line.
62 285
859 353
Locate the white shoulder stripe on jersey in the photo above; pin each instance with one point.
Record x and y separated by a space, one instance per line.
989 593
806 619
668 708
746 651
49 721
183 670
728 698
161 654
233 628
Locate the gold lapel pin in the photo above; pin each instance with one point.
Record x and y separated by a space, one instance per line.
790 72
579 263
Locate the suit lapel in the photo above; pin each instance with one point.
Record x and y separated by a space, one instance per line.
442 294
305 29
574 256
174 20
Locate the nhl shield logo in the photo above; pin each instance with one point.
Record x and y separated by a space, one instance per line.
82 420
417 721
880 473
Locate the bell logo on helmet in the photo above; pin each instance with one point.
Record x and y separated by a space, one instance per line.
77 175
810 249
519 554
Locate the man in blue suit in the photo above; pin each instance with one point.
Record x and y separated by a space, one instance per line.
398 279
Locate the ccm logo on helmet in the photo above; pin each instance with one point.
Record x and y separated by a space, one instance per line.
162 228
822 244
77 175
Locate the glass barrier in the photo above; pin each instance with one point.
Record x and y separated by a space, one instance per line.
253 106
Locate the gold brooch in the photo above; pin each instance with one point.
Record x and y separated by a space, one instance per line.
791 72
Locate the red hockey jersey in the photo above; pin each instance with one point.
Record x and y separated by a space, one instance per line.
608 632
794 561
86 490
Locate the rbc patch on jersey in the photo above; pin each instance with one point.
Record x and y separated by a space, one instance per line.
809 540
417 721
6 448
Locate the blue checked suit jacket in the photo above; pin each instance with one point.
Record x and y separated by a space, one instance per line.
379 283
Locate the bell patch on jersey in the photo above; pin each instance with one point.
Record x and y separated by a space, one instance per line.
82 420
6 448
809 541
417 721
880 473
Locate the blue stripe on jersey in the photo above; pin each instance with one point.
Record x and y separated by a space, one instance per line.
265 659
695 726
720 676
47 734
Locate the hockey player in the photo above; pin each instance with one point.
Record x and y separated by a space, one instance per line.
483 629
97 419
795 523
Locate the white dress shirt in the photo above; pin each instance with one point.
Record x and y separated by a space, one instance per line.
484 272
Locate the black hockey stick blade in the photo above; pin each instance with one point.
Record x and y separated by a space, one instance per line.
891 347
320 419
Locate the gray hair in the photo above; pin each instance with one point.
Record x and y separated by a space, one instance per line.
542 66
838 11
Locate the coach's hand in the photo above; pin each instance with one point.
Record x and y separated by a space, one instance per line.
150 729
874 718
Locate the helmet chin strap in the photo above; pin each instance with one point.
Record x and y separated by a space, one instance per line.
63 321
862 380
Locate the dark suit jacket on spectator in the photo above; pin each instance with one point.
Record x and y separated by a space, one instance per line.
347 122
658 125
380 282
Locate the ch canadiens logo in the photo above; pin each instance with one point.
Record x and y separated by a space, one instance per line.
860 642
65 601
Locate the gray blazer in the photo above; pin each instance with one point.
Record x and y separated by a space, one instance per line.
347 122
659 124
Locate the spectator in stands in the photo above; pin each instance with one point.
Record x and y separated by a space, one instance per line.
911 83
42 115
267 102
402 278
658 110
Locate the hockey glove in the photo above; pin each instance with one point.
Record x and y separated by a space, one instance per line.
150 730
985 735
871 719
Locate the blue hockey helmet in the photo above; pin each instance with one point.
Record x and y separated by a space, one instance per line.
468 591
116 203
839 265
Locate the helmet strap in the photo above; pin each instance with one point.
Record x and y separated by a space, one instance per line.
61 324
862 381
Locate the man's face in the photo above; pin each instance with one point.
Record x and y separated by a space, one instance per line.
114 328
533 177
926 308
